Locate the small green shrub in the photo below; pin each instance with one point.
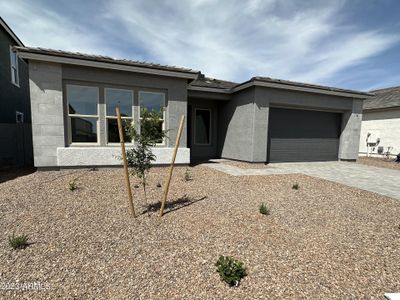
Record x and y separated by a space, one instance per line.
264 209
18 242
230 270
188 176
295 186
73 184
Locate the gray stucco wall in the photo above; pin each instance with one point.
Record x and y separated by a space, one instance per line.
15 139
244 120
49 112
351 129
236 126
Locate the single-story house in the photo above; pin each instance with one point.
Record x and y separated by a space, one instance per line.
380 129
73 99
15 115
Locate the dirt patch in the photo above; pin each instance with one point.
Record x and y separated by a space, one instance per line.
379 162
324 240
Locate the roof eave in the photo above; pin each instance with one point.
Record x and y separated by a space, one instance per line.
105 65
254 82
11 33
209 89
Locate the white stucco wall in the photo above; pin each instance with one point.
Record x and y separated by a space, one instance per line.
383 124
110 156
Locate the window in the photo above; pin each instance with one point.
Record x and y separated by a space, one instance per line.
152 101
123 99
202 127
14 67
83 113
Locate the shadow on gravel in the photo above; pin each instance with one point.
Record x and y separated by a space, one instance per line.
172 205
12 173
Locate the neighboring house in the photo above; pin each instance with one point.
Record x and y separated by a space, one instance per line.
381 123
73 99
15 115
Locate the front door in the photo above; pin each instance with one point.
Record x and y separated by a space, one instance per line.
202 130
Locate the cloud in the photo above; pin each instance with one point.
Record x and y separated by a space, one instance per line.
230 40
308 41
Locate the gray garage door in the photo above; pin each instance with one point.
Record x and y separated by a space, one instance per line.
303 135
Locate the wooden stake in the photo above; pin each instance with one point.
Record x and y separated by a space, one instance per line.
178 137
121 139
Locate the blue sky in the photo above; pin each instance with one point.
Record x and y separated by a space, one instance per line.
350 44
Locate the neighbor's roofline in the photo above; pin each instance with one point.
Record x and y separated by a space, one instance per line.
297 86
10 32
97 62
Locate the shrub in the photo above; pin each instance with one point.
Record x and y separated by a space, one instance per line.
188 176
141 156
18 242
73 184
264 209
158 185
230 270
295 186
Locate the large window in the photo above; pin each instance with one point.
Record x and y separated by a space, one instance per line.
202 127
14 67
83 113
152 101
123 99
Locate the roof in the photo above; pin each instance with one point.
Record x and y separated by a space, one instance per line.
10 32
80 58
384 98
213 83
199 83
279 83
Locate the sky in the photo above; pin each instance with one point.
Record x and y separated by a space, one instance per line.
349 44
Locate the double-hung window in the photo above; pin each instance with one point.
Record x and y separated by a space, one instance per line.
14 67
155 102
83 113
123 99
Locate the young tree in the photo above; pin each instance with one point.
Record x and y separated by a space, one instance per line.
140 157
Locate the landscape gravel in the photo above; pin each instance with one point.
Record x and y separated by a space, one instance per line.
379 162
324 240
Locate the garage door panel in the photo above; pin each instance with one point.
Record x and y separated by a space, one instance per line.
292 150
302 135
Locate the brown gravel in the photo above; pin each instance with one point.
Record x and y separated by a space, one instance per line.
245 165
379 162
324 240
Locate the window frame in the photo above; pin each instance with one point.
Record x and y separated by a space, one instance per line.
115 117
70 116
163 143
210 127
15 68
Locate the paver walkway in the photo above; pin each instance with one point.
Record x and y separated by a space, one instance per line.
379 180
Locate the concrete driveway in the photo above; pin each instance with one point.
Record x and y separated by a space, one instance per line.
379 180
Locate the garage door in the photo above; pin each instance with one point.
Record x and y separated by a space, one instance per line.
296 135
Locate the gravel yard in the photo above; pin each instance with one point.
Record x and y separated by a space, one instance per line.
378 162
324 240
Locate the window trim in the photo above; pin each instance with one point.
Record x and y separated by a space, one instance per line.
115 117
194 127
16 67
69 116
163 143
